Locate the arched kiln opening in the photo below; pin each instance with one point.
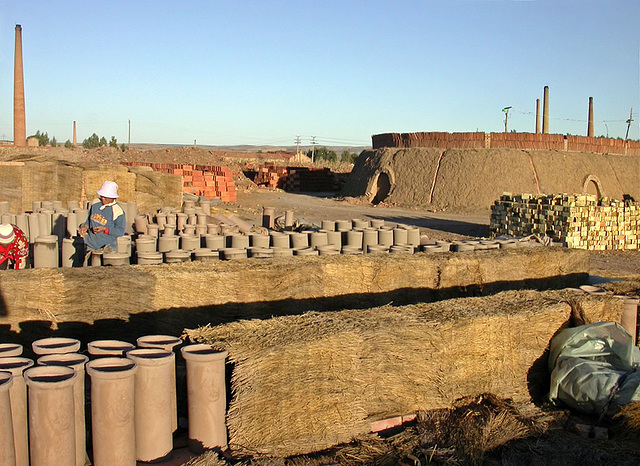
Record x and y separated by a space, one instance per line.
382 188
592 186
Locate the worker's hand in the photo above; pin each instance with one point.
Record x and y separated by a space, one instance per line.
82 230
99 229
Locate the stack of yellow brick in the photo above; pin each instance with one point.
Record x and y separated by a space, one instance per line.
577 221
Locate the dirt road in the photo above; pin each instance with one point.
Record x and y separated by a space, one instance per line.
313 208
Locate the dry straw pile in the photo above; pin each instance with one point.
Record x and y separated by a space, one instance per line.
306 382
223 291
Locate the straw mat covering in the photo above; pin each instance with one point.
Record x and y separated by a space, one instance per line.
194 293
306 382
21 183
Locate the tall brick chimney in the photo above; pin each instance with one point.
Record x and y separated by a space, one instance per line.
75 141
537 116
545 111
590 125
19 119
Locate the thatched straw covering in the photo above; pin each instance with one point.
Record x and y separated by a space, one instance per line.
304 383
224 291
21 183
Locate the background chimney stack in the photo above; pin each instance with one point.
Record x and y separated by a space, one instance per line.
545 111
590 125
19 119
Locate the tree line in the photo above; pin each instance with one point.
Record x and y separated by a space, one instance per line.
92 142
322 153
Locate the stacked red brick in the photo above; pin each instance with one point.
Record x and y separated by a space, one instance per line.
271 175
209 181
528 141
296 179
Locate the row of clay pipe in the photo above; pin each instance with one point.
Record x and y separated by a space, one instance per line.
133 402
191 234
55 218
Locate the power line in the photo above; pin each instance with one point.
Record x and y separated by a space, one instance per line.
571 119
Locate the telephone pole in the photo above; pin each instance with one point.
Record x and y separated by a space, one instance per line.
313 148
297 141
626 136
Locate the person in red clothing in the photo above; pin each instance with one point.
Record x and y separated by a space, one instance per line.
14 247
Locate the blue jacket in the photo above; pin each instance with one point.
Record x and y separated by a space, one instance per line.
110 216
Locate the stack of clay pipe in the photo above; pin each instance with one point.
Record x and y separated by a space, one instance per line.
51 227
132 401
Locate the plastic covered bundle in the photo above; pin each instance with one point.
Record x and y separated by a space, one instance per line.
594 367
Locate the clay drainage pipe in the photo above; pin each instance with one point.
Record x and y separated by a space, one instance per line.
112 411
18 396
100 348
55 345
167 343
52 437
153 421
7 448
8 350
206 397
76 362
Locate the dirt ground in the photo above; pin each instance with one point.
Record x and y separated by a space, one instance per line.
308 207
554 446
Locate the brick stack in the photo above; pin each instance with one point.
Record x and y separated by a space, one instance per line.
527 141
577 221
296 179
209 181
270 175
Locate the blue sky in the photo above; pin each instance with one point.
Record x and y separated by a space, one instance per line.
264 72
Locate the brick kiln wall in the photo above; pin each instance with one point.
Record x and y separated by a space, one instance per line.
460 179
528 141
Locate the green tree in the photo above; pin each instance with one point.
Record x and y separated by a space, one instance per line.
43 138
322 153
91 142
123 147
113 142
54 143
103 141
68 144
348 157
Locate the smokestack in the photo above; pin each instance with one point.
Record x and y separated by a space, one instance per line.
545 111
590 125
75 141
537 116
19 119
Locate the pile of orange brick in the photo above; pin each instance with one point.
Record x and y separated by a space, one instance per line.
296 179
208 181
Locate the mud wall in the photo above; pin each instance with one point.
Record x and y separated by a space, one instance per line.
461 179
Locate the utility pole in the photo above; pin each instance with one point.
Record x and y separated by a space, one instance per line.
297 141
506 118
626 136
313 148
